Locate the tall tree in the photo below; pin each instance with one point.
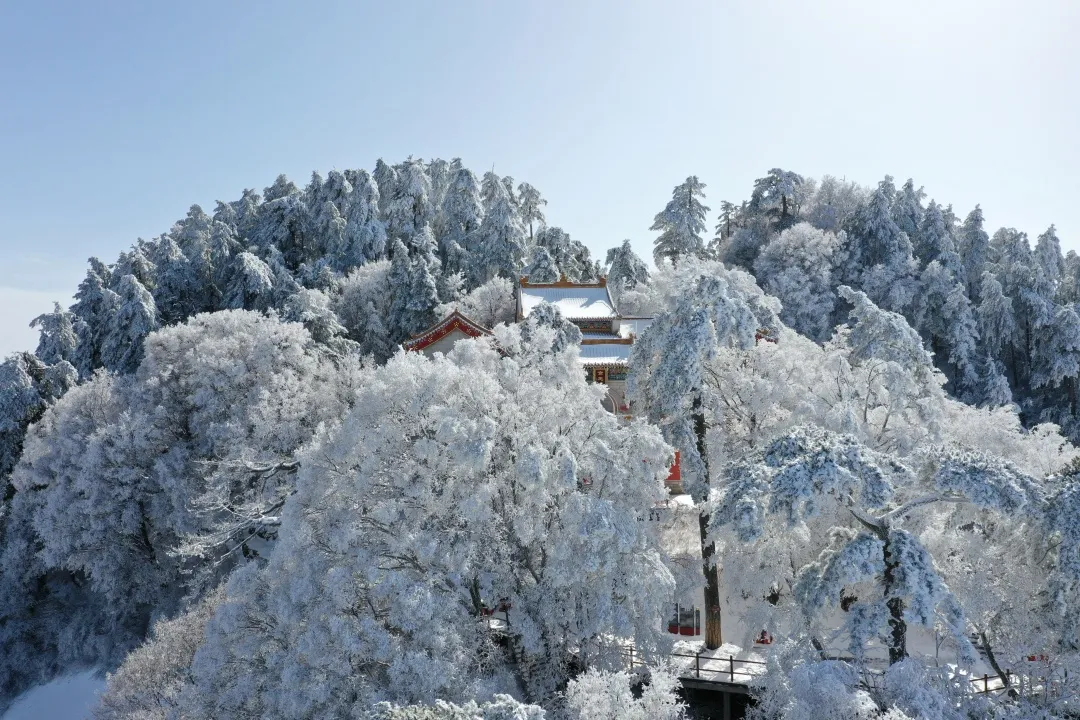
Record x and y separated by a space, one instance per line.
464 213
94 305
1048 256
500 239
881 254
974 248
542 267
135 318
798 267
625 269
907 209
530 205
364 237
774 197
57 339
681 224
408 208
714 308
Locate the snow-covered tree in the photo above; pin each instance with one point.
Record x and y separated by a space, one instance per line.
57 339
542 267
1048 256
480 477
881 253
149 684
625 270
530 206
364 237
571 258
974 248
500 239
774 196
945 318
681 223
463 213
711 308
93 308
597 695
907 209
490 304
797 267
249 284
186 459
135 317
364 309
934 241
408 207
865 500
834 203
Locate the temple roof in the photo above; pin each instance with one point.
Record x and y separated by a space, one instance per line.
455 321
613 353
575 301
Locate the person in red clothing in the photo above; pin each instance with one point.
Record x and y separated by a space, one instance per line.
765 638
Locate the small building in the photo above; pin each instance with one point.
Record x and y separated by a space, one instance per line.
441 336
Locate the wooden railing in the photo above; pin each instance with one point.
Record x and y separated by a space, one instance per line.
733 670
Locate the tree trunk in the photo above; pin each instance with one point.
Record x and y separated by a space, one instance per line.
1006 681
897 625
714 637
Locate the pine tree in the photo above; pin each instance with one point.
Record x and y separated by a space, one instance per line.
625 269
681 224
491 187
135 262
944 317
542 267
726 221
500 240
996 320
774 197
932 241
386 180
408 208
364 238
193 236
530 203
176 283
882 260
93 308
464 214
1048 256
249 285
907 210
57 339
571 258
134 319
398 316
423 297
974 249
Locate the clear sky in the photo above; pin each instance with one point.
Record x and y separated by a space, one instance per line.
115 116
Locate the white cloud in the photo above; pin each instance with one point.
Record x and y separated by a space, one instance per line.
17 309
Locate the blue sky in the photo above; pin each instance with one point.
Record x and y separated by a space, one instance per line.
116 116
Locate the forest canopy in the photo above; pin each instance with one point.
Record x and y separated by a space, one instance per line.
226 484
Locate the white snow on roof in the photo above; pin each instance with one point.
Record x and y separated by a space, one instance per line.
605 354
633 325
599 336
575 303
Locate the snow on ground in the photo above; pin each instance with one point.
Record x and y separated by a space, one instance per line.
67 698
